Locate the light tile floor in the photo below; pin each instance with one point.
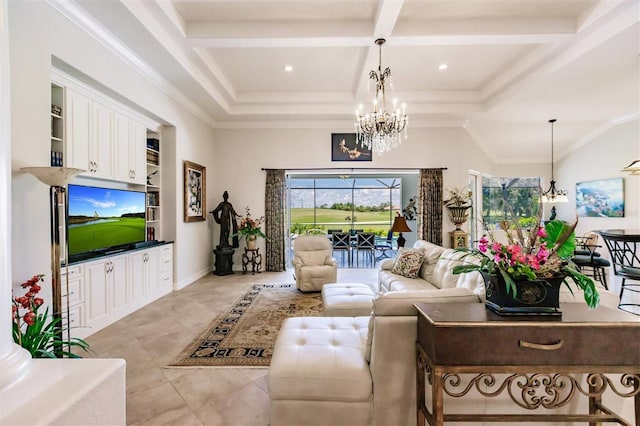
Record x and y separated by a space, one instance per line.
151 337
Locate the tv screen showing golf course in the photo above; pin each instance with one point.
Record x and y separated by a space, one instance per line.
101 218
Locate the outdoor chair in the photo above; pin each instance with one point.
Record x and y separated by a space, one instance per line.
341 242
365 242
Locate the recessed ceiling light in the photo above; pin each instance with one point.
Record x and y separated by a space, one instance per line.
443 67
288 68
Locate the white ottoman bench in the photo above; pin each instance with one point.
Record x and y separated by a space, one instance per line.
347 300
319 375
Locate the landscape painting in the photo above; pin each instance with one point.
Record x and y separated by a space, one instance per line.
600 198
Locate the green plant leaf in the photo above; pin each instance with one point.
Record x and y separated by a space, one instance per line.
560 234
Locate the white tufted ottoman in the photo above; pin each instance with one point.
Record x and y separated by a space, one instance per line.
318 373
347 300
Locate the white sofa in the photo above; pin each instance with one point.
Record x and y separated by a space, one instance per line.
361 370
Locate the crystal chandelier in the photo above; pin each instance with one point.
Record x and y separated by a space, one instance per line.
553 195
380 131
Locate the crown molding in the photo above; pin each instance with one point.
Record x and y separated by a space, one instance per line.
74 13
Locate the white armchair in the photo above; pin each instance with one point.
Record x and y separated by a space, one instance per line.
313 263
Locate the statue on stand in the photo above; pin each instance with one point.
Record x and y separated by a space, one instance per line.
225 215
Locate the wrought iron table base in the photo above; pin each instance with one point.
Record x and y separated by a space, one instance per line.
521 385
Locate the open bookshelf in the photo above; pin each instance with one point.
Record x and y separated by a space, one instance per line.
57 125
153 186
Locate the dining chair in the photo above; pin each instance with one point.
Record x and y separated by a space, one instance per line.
625 256
588 259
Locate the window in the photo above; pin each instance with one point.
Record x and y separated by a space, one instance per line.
343 203
521 194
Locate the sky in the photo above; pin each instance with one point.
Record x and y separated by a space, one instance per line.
374 195
85 200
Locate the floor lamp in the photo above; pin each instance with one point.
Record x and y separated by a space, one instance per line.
57 178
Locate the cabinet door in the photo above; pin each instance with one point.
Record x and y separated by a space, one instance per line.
97 297
152 269
78 131
118 287
138 152
121 139
137 278
100 148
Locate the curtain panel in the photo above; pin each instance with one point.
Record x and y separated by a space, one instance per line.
430 195
274 213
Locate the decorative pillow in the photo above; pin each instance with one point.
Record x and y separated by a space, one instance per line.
408 263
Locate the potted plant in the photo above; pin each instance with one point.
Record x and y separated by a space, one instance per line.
525 275
35 331
458 203
250 229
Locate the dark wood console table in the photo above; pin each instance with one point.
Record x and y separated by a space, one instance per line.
537 359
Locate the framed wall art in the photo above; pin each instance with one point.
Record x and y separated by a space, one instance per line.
195 181
600 198
345 148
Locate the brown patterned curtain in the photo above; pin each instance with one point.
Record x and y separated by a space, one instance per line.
274 213
430 221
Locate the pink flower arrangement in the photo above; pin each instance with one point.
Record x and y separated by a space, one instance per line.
249 226
514 259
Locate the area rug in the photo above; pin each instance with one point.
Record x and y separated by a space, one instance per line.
246 335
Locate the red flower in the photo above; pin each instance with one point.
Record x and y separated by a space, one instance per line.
38 301
35 289
29 318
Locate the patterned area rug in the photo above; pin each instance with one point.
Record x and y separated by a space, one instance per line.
245 336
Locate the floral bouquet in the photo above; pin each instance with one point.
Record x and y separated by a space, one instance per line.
458 197
250 227
541 254
34 331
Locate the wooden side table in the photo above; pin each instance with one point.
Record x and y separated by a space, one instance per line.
252 257
540 359
459 239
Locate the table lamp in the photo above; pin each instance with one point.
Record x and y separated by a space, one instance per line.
57 178
400 225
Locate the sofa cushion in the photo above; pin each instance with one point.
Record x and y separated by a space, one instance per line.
408 263
321 359
442 276
411 284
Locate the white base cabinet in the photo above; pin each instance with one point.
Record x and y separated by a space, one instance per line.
105 290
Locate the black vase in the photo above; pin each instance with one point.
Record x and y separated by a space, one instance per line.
533 297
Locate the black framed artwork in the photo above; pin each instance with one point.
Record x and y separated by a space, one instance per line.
345 148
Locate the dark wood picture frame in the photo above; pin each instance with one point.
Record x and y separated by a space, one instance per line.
344 147
195 190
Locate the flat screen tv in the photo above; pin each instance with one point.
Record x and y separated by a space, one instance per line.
104 218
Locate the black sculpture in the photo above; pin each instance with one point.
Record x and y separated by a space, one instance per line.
225 215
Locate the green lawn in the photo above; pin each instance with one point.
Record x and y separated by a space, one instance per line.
302 219
106 234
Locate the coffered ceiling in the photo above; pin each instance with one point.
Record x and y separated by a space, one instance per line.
512 64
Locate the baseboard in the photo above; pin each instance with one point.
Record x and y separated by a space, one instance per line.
179 285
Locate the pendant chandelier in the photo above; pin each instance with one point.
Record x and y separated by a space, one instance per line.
553 195
380 130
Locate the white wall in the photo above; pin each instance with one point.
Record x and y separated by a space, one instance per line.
241 153
603 158
38 32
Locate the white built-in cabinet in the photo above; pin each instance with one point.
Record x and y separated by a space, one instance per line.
105 290
106 143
